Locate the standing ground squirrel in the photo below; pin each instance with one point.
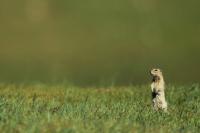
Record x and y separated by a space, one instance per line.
158 90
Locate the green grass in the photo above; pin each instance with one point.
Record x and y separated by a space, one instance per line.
61 108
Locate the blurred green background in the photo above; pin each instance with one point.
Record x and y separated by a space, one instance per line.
91 42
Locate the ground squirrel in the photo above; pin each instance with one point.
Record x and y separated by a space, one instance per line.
158 90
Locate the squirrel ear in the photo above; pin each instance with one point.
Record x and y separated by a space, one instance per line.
161 70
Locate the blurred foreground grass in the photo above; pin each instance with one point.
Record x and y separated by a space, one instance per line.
61 108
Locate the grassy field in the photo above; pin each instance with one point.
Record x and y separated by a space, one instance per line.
62 108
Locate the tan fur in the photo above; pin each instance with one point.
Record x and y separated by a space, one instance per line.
158 90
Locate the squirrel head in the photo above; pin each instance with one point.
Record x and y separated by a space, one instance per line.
156 72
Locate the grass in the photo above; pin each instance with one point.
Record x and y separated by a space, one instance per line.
60 108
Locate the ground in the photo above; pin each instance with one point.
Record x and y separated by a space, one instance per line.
33 108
